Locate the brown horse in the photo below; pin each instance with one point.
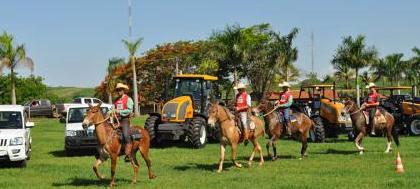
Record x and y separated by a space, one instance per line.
274 127
359 123
109 144
230 134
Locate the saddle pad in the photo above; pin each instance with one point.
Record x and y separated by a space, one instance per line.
135 134
379 117
293 118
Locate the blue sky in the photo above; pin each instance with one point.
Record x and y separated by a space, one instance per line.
71 41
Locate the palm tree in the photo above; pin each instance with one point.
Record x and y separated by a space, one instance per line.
412 72
395 67
12 57
132 48
380 70
343 72
355 54
288 54
111 80
366 77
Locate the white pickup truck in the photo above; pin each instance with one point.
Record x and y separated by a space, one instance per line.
62 109
75 137
15 135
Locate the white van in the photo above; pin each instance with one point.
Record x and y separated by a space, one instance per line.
15 135
75 137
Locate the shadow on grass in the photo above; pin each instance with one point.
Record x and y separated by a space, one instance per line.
88 182
204 167
334 151
10 164
74 153
177 144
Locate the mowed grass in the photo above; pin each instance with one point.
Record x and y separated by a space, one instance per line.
329 165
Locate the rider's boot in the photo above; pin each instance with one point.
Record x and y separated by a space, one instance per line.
127 151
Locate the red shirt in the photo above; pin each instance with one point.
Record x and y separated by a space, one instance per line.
241 101
284 97
121 103
372 98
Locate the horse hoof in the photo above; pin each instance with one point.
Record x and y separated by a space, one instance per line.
261 164
219 171
238 165
133 182
361 152
249 163
301 158
152 176
111 184
101 177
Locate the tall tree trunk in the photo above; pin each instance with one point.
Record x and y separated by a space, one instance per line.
109 97
357 88
135 91
347 84
235 76
12 81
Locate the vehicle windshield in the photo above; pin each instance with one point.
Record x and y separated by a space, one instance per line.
76 115
188 87
10 120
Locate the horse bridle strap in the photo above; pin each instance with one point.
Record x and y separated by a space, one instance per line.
360 109
274 109
114 115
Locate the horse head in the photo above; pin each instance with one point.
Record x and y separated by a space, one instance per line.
93 114
263 106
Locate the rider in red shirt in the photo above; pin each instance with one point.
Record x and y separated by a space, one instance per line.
242 104
283 105
371 103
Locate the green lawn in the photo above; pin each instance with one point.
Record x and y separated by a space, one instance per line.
329 165
69 93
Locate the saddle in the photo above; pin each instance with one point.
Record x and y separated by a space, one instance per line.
379 117
133 133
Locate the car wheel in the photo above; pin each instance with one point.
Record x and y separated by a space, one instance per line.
151 126
415 126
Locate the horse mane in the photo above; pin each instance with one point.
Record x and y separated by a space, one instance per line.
228 113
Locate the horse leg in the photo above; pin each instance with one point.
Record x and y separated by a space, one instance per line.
234 153
261 154
304 139
358 139
135 165
114 158
273 145
144 151
96 165
222 157
267 145
251 158
389 139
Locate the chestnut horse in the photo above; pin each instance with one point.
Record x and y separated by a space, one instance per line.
359 123
230 134
109 144
274 127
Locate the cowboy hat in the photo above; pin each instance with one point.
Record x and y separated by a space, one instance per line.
284 84
121 86
240 86
370 85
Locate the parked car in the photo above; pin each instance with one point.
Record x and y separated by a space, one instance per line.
15 135
40 108
75 137
62 109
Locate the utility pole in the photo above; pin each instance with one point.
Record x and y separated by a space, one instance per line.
312 52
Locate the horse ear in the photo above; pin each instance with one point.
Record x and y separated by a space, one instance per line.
90 105
99 104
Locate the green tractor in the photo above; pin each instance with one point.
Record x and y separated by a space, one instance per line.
185 116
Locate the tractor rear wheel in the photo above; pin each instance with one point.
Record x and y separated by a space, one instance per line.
197 132
151 126
319 130
414 127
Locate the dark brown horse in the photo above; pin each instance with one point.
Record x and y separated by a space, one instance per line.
359 123
274 127
109 144
230 134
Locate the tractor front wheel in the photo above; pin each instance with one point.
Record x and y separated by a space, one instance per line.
151 126
414 127
197 132
319 129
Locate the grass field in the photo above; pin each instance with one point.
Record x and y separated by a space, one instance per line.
69 93
329 165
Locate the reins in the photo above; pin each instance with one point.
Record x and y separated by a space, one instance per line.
113 115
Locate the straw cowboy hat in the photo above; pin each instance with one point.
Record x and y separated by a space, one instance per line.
284 84
370 85
240 86
121 86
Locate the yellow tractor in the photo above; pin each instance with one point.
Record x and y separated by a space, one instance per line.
185 116
405 108
320 103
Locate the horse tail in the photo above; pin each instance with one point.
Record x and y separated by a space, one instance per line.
395 136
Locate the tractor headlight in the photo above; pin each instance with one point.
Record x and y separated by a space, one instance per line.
70 133
16 141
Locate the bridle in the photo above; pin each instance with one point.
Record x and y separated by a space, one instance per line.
113 115
352 106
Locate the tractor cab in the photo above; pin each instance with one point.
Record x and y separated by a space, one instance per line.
185 116
402 103
319 102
